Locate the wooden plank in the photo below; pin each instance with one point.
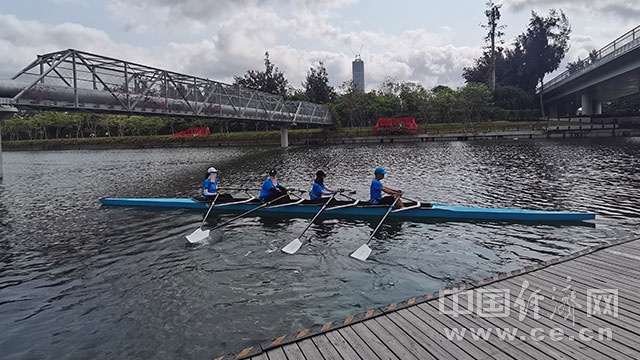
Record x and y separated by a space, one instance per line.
360 347
622 333
518 349
633 247
505 350
626 296
538 349
261 356
627 319
276 354
599 278
309 349
398 347
602 277
438 345
620 263
606 348
404 338
342 346
592 350
376 345
292 351
621 272
442 322
324 346
622 322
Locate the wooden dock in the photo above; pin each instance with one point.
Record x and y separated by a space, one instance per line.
581 306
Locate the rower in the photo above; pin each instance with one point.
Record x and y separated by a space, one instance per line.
377 189
210 187
319 189
271 189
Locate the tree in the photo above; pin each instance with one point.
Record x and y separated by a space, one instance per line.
475 102
271 80
316 86
442 103
494 35
353 106
545 44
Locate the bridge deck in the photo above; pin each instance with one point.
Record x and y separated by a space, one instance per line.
582 293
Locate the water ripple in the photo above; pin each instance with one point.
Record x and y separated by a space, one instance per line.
81 280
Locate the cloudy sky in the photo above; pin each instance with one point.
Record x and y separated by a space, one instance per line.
422 41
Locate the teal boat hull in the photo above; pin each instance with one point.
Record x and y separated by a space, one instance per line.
424 212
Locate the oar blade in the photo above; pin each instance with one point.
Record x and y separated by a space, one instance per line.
293 246
197 235
362 253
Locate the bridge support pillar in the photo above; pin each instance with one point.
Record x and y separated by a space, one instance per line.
284 137
598 107
587 104
5 112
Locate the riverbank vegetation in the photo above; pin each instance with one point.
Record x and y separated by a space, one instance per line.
264 137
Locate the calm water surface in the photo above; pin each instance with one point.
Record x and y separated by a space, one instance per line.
78 280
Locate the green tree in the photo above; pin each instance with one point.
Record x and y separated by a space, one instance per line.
474 102
353 106
316 86
442 103
271 80
545 44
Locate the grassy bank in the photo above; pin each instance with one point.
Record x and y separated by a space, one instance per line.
259 137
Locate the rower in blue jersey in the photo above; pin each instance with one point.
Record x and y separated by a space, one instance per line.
210 187
377 189
319 189
271 189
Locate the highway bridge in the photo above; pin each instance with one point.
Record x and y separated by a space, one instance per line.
73 80
609 73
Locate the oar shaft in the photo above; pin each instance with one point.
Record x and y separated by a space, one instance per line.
381 221
249 212
208 211
318 214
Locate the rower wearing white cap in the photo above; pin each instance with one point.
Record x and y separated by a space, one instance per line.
210 186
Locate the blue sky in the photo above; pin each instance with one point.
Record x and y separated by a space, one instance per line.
426 42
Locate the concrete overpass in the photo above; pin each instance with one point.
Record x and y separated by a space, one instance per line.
613 72
72 80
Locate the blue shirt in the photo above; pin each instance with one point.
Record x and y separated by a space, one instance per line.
375 191
268 188
211 187
316 191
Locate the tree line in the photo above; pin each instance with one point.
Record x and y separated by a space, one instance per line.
500 86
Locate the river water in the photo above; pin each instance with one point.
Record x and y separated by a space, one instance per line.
79 280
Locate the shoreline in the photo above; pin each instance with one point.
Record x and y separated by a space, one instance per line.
319 139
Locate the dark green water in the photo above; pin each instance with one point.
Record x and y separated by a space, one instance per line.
80 281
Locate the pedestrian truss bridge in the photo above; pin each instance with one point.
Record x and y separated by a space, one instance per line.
72 80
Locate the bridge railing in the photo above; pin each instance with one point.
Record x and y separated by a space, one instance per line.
72 79
616 48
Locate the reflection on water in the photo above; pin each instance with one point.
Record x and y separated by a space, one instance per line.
84 281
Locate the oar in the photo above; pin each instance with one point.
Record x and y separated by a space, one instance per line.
364 251
200 234
248 212
294 245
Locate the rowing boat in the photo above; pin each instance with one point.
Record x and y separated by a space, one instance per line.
412 210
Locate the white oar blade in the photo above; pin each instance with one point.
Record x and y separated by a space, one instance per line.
198 235
362 253
292 247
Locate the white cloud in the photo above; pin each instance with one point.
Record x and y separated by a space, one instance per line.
222 39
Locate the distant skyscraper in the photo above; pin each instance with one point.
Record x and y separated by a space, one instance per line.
358 73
